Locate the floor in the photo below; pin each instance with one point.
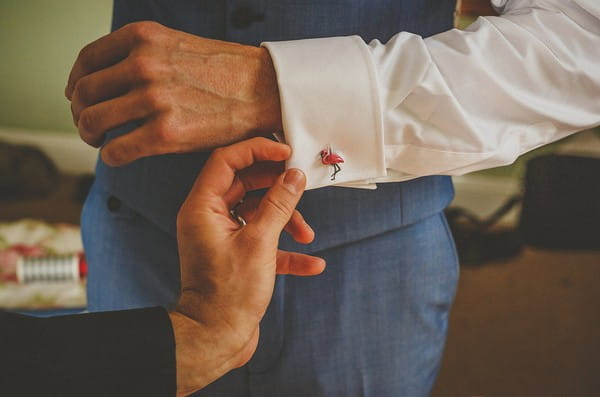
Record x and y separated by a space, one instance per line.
528 327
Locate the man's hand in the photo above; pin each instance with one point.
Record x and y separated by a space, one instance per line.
228 270
187 92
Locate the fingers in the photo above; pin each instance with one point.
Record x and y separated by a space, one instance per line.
297 227
141 142
257 176
104 52
299 264
277 206
300 231
108 50
96 120
108 83
96 87
218 174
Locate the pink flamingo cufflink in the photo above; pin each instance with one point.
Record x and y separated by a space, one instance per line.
330 158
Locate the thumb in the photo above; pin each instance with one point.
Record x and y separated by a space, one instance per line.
277 206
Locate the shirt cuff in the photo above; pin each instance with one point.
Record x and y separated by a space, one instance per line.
328 94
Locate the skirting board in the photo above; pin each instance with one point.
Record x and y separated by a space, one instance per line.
69 153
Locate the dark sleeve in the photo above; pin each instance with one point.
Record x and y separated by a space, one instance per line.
124 353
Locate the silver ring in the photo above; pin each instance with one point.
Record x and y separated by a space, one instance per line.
237 217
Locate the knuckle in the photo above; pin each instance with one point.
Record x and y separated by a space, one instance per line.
154 99
122 154
88 120
219 155
143 67
76 108
219 152
143 31
280 208
85 56
81 90
112 154
74 113
163 129
86 138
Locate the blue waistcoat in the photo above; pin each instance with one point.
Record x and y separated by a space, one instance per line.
155 187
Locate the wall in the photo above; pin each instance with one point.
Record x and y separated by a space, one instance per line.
39 41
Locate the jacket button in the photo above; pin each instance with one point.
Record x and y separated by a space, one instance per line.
113 204
243 17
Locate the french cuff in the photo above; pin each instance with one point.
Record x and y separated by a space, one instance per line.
329 101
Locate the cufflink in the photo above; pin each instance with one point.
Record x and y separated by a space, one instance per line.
330 158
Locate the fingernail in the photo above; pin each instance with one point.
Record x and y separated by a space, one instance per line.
294 180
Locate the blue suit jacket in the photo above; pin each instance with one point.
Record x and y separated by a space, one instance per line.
156 186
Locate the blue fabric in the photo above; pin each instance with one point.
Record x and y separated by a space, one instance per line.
374 324
157 186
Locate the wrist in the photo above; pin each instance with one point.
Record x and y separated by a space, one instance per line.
231 326
262 115
268 75
209 342
201 354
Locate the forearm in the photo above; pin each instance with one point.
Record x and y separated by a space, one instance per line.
452 103
486 95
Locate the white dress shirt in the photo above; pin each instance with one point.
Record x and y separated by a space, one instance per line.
453 103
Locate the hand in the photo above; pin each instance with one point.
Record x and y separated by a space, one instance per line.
228 271
189 93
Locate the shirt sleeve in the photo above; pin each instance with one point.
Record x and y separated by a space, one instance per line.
453 103
125 353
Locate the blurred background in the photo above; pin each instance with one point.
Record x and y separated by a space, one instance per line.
526 321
